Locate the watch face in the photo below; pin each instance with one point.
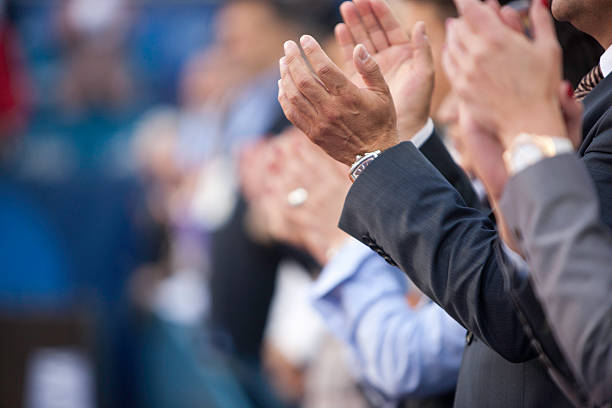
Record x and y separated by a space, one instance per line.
526 155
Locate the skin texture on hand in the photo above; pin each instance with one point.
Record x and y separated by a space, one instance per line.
483 137
483 145
406 65
341 118
508 82
292 162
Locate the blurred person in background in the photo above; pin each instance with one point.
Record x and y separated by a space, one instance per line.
228 98
14 82
91 103
243 270
76 227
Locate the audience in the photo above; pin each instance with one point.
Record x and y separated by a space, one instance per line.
433 230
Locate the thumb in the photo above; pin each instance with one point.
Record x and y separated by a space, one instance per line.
369 69
543 27
512 18
422 51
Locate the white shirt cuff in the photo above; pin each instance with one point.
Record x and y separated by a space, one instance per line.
422 135
605 62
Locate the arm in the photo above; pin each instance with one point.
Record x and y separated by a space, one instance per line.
399 350
570 252
403 207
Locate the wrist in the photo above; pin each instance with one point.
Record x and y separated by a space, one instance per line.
407 129
538 122
527 149
391 139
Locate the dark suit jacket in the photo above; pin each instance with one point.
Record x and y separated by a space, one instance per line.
402 207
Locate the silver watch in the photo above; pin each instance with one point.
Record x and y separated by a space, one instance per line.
361 162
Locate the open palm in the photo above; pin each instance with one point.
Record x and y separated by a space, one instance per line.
406 64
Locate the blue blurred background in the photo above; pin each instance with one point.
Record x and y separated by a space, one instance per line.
126 278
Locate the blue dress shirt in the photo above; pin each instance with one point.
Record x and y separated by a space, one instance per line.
399 350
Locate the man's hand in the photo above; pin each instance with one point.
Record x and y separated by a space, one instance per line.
406 65
343 119
507 81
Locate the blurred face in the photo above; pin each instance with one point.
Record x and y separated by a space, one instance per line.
251 32
409 12
591 16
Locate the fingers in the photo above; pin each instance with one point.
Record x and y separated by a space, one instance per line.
351 18
369 70
494 4
373 28
296 107
543 28
389 23
301 75
457 58
511 18
330 75
480 16
346 43
422 51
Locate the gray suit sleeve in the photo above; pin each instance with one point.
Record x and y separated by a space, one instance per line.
553 210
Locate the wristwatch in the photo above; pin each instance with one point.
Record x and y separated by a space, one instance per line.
528 149
361 162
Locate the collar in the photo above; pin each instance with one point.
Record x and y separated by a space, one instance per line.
605 62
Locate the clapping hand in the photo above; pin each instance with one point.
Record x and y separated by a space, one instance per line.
506 89
347 116
301 195
406 65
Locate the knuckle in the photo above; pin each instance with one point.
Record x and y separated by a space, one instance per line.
289 59
294 99
478 56
349 99
332 115
290 114
324 70
303 83
308 50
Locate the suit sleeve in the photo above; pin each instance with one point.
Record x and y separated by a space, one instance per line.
405 210
435 151
558 224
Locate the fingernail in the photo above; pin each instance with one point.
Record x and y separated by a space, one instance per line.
287 46
424 30
362 53
307 41
570 90
545 3
282 61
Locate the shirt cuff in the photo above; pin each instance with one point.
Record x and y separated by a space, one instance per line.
422 135
344 264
